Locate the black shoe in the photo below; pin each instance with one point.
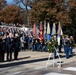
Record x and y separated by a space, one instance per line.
16 59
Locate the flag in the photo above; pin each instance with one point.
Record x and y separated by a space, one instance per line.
53 29
41 26
48 32
34 29
48 28
59 32
41 31
58 39
45 35
44 27
37 31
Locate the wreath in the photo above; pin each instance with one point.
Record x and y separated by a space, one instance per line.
52 45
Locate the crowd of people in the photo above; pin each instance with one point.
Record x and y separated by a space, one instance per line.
14 40
11 41
59 42
68 45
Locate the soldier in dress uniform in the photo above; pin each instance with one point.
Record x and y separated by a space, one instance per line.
40 44
44 45
36 44
64 43
59 39
54 36
33 43
26 41
29 41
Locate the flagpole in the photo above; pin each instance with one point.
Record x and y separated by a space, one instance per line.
48 32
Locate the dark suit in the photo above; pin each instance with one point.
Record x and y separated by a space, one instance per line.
16 45
1 49
9 44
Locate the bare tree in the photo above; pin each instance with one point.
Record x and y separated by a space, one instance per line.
25 5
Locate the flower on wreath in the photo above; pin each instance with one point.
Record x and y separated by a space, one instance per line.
52 45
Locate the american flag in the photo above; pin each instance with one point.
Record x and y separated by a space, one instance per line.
35 31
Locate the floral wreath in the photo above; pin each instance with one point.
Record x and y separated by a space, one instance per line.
52 45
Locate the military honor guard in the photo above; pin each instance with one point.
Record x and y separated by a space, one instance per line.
44 45
40 44
33 44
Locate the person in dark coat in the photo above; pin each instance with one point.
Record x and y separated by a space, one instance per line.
26 41
1 48
44 44
29 42
71 45
36 44
59 40
67 41
16 45
33 44
60 44
9 41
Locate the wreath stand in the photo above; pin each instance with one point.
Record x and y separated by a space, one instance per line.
53 60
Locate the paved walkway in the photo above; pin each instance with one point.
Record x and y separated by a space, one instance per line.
29 56
31 61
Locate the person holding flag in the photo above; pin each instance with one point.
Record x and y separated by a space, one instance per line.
41 36
59 37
